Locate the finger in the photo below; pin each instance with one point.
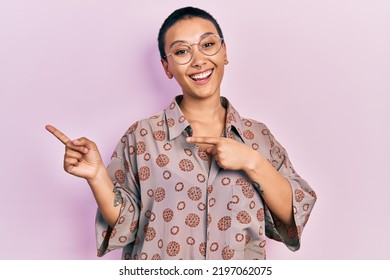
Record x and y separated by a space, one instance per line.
90 145
211 150
73 154
68 167
58 134
70 161
203 140
218 162
76 146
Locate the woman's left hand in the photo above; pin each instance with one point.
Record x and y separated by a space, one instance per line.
228 153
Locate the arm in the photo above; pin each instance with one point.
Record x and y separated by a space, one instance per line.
277 192
82 159
233 155
106 199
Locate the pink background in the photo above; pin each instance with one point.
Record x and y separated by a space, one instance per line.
316 72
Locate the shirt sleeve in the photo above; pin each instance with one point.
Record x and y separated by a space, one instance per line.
304 199
121 170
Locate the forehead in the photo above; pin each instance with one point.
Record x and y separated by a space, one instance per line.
189 30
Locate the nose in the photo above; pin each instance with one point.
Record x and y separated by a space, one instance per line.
198 58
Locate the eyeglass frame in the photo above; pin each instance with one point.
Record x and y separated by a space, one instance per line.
199 48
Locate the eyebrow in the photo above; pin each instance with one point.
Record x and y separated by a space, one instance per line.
186 42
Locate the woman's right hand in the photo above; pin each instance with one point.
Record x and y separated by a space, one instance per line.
82 157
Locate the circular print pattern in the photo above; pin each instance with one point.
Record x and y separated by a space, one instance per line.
160 194
194 193
186 165
162 160
173 248
168 215
224 223
120 176
192 220
243 217
144 173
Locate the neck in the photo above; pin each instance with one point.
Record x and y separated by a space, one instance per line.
201 111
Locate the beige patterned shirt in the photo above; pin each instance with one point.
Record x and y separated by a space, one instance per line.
177 207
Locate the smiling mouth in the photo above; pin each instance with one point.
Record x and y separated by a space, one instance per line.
201 76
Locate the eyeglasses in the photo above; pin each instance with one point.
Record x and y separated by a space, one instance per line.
182 52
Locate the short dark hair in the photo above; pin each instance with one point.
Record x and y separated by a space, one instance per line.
180 14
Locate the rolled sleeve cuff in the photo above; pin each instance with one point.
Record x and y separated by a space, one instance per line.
303 201
123 233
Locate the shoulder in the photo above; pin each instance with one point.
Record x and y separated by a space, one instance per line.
150 124
242 123
256 127
260 136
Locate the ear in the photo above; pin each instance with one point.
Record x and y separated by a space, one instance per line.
166 68
226 61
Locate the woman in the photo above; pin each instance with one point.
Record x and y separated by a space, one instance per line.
196 180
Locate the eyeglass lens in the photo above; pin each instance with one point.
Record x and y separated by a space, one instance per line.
182 53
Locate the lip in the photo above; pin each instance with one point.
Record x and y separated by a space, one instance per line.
201 78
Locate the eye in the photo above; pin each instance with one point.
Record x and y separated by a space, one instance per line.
181 52
208 45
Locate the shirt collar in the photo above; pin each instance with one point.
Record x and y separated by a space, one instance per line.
233 124
175 119
178 124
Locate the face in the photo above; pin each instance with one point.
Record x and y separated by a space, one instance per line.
201 77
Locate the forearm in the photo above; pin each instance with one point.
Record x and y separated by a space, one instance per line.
102 189
277 192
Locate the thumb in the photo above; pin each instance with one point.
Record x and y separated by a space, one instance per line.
210 150
88 144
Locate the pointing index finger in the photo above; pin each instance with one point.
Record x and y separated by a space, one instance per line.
58 134
203 140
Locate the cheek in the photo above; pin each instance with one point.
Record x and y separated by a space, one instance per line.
178 71
219 59
180 79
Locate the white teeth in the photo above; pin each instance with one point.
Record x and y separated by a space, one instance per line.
201 75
